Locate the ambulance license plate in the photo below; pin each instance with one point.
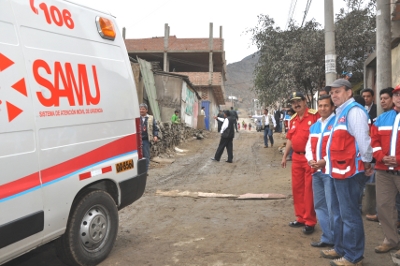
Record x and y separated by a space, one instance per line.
124 166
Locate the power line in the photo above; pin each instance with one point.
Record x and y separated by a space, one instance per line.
291 12
306 11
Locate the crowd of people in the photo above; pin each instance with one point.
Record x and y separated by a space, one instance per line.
336 151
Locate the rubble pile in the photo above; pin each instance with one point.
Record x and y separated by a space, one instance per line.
170 136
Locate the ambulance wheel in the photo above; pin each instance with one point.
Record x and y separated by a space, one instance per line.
91 230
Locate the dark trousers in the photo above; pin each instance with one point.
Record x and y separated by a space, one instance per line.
235 124
146 152
228 143
268 134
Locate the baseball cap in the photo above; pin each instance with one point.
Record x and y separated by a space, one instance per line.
340 83
297 96
396 89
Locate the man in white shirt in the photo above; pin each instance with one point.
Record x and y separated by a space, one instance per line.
268 123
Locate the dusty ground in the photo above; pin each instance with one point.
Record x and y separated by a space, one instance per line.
160 230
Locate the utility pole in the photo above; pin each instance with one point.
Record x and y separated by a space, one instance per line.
166 39
383 49
330 52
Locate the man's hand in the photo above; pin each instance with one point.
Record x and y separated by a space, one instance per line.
312 163
320 164
283 162
368 170
155 138
389 161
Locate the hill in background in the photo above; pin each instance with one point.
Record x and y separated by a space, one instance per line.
240 81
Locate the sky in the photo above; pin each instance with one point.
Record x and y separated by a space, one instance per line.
191 19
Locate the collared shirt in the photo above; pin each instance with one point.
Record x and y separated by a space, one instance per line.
309 155
266 119
225 123
358 127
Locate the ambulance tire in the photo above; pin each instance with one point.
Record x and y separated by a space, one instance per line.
91 230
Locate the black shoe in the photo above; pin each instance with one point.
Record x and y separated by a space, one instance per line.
320 244
308 229
296 224
213 159
228 161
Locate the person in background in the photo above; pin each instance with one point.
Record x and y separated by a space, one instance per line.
203 112
288 115
149 131
235 115
386 99
278 116
387 172
321 182
348 161
387 105
297 138
347 75
323 91
175 117
268 123
227 135
220 115
370 106
250 126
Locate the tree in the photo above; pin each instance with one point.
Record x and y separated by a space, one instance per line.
293 60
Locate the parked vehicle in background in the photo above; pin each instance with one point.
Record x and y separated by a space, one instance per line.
70 134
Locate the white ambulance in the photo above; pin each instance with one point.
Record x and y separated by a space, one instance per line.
70 138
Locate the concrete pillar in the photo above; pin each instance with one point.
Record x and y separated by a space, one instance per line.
210 60
383 49
166 38
330 52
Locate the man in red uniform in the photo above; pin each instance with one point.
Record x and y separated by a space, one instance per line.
297 137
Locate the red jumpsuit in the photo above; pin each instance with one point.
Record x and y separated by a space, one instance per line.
301 171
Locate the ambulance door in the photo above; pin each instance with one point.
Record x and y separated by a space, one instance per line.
21 205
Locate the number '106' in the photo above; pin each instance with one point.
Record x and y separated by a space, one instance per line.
53 14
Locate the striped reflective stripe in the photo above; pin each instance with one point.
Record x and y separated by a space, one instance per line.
376 149
341 172
340 127
95 172
385 128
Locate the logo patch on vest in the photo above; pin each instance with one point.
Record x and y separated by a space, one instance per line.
329 127
342 119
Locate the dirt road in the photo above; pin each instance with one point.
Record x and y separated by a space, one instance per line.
164 230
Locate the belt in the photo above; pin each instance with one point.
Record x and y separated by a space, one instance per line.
301 152
393 172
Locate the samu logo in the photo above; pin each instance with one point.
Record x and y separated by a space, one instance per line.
74 87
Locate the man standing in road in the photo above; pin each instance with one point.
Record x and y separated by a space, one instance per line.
348 161
268 123
235 115
321 182
220 115
149 131
386 146
297 137
227 135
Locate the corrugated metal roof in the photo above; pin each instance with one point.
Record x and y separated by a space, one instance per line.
149 84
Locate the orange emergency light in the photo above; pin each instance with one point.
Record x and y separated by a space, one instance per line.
105 27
